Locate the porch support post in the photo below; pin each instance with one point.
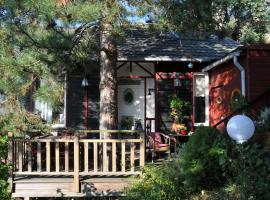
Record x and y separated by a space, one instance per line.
76 163
10 160
142 149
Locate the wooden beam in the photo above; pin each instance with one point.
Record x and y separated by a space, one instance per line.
146 70
142 149
120 66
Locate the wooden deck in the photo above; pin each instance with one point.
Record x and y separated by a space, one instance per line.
63 186
74 167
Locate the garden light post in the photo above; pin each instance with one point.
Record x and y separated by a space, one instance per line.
85 102
241 128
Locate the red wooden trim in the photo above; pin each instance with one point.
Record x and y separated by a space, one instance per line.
135 76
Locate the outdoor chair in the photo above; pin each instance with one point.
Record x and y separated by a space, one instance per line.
158 143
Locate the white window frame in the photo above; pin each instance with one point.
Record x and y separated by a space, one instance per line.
206 75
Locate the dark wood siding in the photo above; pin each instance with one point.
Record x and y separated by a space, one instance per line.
75 98
259 72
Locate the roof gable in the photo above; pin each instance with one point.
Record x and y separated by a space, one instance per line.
140 45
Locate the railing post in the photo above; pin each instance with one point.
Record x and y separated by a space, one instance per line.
142 149
10 160
76 163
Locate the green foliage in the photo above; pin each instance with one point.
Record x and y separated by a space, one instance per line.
263 122
3 168
238 101
158 183
22 122
233 18
205 159
249 36
180 108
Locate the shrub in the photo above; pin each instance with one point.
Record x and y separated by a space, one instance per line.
263 122
158 183
205 159
3 169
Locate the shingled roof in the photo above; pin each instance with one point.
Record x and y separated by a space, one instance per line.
140 45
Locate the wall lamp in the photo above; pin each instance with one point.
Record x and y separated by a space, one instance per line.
151 90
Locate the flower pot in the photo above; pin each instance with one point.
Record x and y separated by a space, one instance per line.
183 132
177 127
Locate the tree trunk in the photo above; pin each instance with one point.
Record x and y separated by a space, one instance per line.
108 81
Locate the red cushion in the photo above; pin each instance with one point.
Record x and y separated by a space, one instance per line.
157 138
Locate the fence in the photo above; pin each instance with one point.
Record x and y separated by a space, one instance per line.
77 157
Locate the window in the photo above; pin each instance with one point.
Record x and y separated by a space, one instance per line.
201 99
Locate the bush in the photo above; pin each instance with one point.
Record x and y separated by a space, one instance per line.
3 169
205 160
158 183
263 122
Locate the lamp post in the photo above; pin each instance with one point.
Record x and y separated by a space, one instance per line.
241 128
85 101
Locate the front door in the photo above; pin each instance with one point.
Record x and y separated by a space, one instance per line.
131 98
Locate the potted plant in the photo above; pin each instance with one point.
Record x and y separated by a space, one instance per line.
183 131
180 110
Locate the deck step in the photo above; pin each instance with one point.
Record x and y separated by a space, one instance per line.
63 187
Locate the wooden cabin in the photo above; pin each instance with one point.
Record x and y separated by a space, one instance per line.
205 72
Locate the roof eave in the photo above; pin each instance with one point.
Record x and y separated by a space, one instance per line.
220 61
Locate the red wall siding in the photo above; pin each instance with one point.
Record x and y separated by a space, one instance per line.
223 80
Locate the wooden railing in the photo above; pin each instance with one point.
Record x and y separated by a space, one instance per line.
74 156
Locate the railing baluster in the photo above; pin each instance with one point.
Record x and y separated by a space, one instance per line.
20 147
114 156
142 149
132 155
95 156
76 163
66 157
86 156
123 159
57 158
29 156
105 157
39 157
48 156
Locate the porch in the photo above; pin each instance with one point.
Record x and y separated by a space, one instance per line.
75 166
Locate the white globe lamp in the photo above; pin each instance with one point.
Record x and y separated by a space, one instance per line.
240 128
